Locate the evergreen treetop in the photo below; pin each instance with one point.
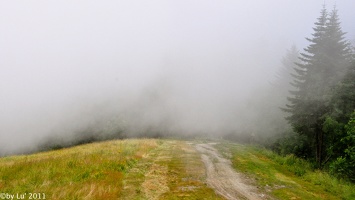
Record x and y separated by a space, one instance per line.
322 65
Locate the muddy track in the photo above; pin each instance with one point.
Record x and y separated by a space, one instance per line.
222 177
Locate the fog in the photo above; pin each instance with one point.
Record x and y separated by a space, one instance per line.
183 67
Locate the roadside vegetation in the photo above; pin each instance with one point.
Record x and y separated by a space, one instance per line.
321 102
315 89
286 177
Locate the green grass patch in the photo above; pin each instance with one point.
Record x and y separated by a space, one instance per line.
120 169
286 177
91 171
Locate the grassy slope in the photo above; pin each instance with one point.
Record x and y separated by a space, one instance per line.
158 169
93 170
286 177
124 169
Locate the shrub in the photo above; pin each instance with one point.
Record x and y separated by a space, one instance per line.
343 166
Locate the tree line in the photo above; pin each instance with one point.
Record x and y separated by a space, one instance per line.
321 102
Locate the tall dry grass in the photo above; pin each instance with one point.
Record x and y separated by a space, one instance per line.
91 171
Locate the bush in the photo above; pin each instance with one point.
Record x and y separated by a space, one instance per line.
292 143
343 166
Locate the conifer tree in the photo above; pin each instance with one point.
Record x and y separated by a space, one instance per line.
321 66
338 50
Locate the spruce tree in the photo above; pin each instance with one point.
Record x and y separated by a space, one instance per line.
338 50
321 65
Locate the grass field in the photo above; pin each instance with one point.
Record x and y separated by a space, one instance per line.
286 177
91 171
122 169
158 169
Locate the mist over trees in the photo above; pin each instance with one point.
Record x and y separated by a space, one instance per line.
321 104
182 69
268 120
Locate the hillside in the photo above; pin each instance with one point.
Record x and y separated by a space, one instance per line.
121 169
165 169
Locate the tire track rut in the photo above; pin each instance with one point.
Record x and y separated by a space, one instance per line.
223 178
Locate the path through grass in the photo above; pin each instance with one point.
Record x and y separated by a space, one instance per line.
174 170
120 169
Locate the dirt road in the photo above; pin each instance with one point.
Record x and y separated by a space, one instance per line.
223 178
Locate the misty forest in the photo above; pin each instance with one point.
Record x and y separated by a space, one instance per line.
67 81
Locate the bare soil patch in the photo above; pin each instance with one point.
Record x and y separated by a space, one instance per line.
223 178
